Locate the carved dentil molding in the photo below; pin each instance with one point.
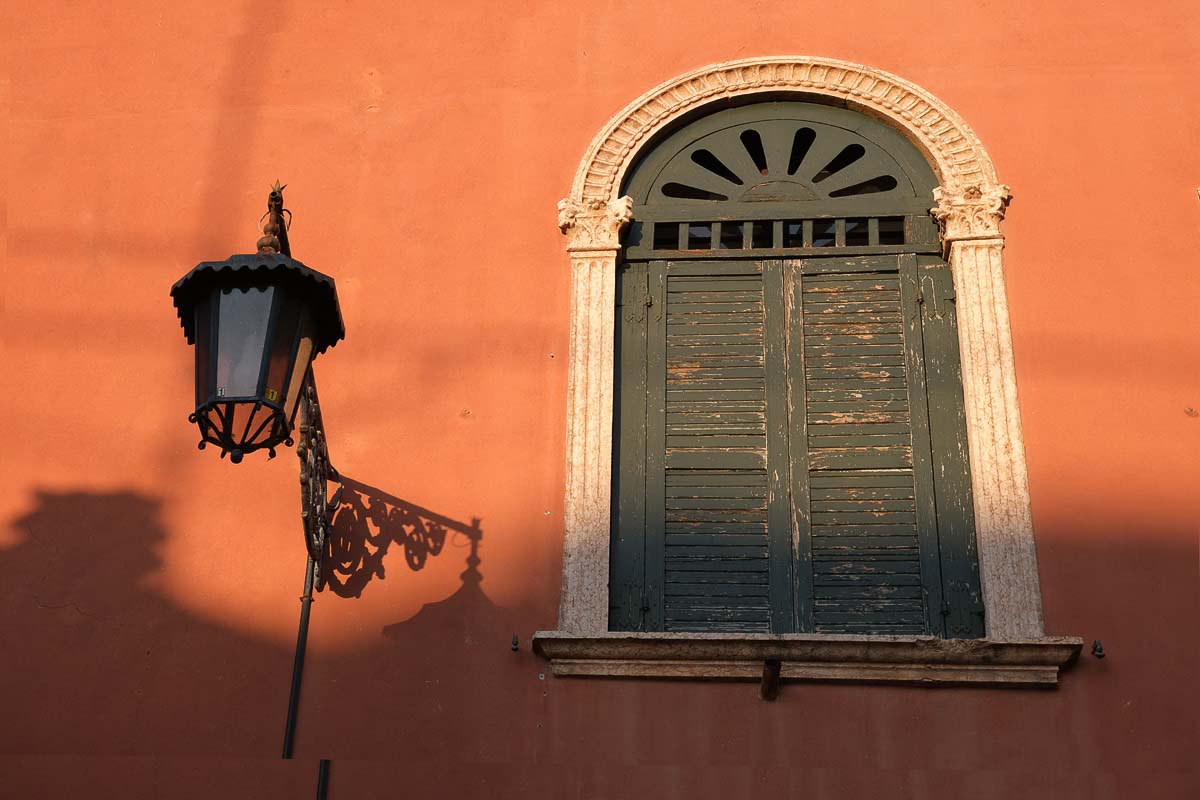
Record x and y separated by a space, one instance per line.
971 212
594 224
955 151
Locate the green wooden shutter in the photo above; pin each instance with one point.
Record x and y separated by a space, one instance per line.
717 548
857 478
791 450
962 597
880 485
627 551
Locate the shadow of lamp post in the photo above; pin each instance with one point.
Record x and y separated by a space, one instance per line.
257 322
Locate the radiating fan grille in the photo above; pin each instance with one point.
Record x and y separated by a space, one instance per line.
779 160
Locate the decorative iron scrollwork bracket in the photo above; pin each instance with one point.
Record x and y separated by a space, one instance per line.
316 472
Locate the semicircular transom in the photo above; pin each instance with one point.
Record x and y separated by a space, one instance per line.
823 159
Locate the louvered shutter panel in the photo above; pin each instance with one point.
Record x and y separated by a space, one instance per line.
717 548
857 487
930 283
881 488
627 551
788 460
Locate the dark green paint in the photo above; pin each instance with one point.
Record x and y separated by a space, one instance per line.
791 441
886 152
627 568
783 616
798 435
952 470
927 531
656 460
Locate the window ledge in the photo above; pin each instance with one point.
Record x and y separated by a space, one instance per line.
824 657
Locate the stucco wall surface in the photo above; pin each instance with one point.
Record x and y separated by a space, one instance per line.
147 590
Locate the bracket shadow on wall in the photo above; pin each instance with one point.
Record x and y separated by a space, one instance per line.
735 538
368 521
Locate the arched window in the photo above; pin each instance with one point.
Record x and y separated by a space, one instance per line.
790 442
768 215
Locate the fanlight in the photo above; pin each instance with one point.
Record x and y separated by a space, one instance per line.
780 160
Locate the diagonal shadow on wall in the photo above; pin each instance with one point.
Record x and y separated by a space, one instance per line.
106 664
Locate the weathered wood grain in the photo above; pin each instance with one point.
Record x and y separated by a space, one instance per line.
847 657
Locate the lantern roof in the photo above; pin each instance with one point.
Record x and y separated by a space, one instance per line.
243 271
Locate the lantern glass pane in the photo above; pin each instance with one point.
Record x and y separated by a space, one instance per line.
282 349
304 354
203 351
241 336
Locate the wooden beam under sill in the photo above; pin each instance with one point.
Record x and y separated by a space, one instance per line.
925 660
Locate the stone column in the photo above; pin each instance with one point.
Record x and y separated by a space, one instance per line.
593 229
970 219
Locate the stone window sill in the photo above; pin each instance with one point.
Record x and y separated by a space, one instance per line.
825 657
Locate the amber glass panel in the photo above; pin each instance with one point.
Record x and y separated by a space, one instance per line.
283 347
304 354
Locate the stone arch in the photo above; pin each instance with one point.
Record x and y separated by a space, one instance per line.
938 131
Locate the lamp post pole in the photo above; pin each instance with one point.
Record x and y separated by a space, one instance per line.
315 473
257 322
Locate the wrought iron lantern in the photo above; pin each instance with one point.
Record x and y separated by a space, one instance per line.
257 322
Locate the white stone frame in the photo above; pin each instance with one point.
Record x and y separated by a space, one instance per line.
970 205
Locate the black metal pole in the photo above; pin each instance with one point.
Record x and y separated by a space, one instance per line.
323 779
314 466
289 732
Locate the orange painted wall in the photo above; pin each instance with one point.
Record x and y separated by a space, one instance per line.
147 591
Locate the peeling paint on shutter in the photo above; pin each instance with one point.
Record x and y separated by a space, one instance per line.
803 467
627 554
857 425
960 595
714 477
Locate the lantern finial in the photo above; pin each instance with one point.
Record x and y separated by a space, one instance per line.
275 238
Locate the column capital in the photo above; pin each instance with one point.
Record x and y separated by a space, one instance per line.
594 225
970 212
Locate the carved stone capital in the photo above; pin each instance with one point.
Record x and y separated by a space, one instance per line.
594 225
970 212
